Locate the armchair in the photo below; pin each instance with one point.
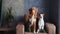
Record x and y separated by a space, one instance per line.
20 28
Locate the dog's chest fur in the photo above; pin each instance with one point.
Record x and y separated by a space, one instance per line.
41 21
32 18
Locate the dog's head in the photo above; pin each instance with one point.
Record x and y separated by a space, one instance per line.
33 10
41 15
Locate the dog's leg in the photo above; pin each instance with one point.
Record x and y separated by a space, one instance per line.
29 28
42 27
34 27
38 30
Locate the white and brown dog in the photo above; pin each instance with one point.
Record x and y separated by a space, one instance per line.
41 23
33 18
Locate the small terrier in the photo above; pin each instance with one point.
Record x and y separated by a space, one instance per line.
41 23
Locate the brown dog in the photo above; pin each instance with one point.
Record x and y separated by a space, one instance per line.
33 15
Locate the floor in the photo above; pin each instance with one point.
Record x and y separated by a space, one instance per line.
8 32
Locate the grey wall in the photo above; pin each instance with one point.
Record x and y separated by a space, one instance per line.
0 10
17 5
54 13
59 16
0 7
20 7
17 9
53 10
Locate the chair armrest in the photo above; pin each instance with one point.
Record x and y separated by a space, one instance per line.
20 29
51 28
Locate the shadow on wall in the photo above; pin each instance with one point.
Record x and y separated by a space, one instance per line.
20 19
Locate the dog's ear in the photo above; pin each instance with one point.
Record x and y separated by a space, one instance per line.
43 14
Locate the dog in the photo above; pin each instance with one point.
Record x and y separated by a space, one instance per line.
33 22
41 23
33 18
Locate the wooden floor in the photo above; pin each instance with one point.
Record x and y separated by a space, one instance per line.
33 33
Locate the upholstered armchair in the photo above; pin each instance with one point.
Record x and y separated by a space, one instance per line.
51 29
20 28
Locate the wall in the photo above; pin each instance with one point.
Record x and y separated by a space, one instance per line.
0 7
20 7
59 16
53 13
0 10
17 9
